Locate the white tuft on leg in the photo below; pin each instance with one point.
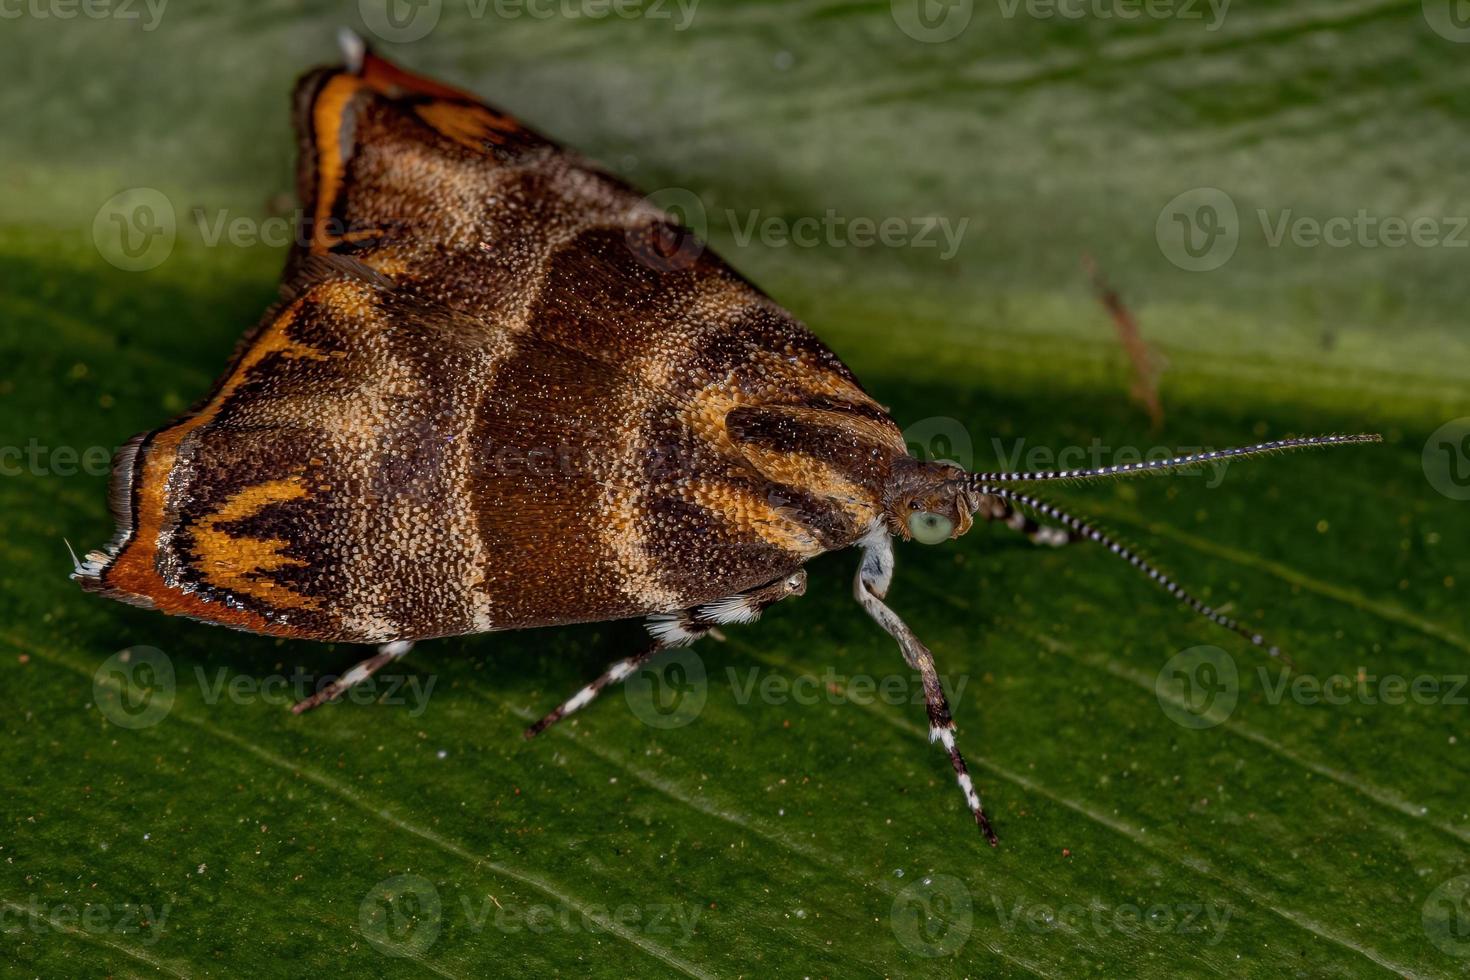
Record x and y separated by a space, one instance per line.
397 648
580 699
731 609
355 675
968 788
671 630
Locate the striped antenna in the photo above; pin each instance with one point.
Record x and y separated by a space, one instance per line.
1149 466
1086 530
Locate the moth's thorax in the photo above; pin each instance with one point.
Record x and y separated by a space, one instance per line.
916 485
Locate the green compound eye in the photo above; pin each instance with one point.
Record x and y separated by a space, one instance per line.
930 528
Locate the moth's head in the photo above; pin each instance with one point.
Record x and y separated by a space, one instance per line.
927 501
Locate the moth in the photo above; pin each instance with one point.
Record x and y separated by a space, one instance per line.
502 390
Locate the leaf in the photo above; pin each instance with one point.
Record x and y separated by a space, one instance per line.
798 823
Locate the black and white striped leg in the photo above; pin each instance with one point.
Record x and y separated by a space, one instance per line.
387 653
871 585
679 629
619 671
996 509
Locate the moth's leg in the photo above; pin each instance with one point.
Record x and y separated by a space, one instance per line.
621 670
995 509
870 586
387 653
679 630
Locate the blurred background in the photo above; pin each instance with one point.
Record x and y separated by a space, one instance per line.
1030 226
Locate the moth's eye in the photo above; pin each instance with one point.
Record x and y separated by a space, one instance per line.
930 528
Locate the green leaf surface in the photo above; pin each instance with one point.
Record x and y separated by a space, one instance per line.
1246 823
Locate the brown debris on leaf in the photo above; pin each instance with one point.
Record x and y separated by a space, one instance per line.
1148 364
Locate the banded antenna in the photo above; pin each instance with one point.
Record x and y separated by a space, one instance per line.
1083 529
995 485
1177 462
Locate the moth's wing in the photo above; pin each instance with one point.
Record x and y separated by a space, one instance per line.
373 467
485 403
